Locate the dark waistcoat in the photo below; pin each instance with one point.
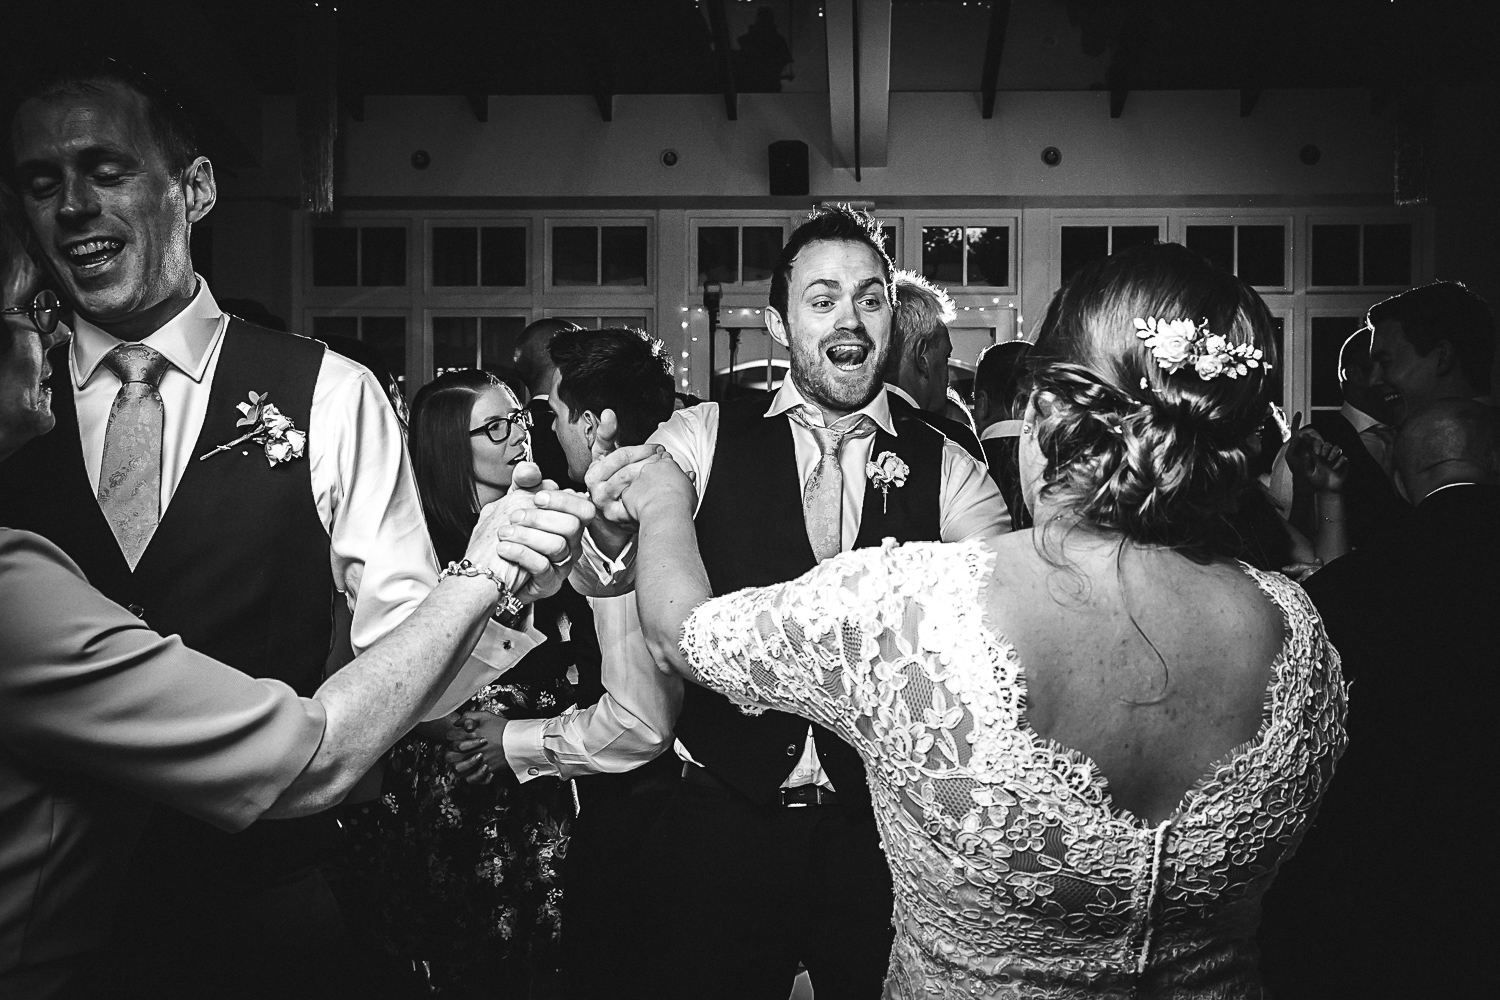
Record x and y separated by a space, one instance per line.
238 566
751 533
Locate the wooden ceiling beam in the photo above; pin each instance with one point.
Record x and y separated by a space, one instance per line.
718 23
994 48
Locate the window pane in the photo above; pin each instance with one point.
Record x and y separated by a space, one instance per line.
502 256
382 259
762 247
387 335
718 255
455 256
1328 335
989 255
1216 243
1388 255
1081 244
455 342
1126 237
624 253
336 326
888 237
1262 257
575 255
497 339
943 254
1335 255
335 256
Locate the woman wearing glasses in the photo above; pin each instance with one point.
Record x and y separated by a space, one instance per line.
464 866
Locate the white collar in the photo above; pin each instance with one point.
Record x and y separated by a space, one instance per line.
186 340
1001 429
896 390
1360 420
1445 486
787 398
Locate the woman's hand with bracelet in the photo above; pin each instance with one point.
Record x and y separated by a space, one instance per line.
530 537
476 747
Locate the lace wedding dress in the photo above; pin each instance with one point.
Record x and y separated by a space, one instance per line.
1014 875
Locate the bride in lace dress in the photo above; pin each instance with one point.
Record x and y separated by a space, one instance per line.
1092 744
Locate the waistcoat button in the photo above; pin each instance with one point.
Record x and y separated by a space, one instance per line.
791 749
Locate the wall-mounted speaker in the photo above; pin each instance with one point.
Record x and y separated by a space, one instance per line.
788 162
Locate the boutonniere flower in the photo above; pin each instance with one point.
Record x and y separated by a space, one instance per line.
885 471
268 427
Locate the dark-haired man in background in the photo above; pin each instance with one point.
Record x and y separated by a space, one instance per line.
241 553
1433 342
613 387
768 854
534 361
997 384
1374 905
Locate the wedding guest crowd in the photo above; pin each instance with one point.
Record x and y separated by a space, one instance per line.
572 680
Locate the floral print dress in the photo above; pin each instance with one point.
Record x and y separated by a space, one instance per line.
466 878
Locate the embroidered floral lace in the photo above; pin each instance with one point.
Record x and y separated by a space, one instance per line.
1014 875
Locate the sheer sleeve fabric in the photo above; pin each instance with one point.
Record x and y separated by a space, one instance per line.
861 644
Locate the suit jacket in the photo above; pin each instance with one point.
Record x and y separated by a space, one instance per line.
1002 459
1384 896
1372 507
959 433
546 450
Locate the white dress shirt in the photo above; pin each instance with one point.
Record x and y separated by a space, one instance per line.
380 555
1001 429
969 502
629 726
1369 430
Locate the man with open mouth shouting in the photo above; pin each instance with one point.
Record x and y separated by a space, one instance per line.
228 547
768 855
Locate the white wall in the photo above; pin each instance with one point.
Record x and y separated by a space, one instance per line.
1166 145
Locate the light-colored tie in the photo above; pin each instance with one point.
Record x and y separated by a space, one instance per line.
823 496
130 471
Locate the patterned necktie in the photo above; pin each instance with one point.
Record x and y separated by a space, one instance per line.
823 496
130 472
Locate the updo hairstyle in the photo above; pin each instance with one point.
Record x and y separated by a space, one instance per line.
1158 457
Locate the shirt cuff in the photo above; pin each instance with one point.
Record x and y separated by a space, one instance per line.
498 650
522 743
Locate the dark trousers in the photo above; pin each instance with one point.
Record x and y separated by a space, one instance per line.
603 923
740 894
197 925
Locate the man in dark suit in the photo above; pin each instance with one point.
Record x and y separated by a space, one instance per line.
1373 510
1387 895
997 382
916 370
534 362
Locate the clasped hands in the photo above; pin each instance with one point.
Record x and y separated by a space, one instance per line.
531 536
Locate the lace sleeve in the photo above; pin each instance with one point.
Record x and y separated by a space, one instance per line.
833 645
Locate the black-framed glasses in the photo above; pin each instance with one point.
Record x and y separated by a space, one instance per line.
44 311
502 430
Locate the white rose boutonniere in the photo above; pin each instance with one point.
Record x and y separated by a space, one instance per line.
268 427
885 471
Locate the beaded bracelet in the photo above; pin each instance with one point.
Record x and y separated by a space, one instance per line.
508 608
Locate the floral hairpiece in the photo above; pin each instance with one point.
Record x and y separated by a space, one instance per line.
1180 343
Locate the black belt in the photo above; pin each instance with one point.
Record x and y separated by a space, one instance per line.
790 798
